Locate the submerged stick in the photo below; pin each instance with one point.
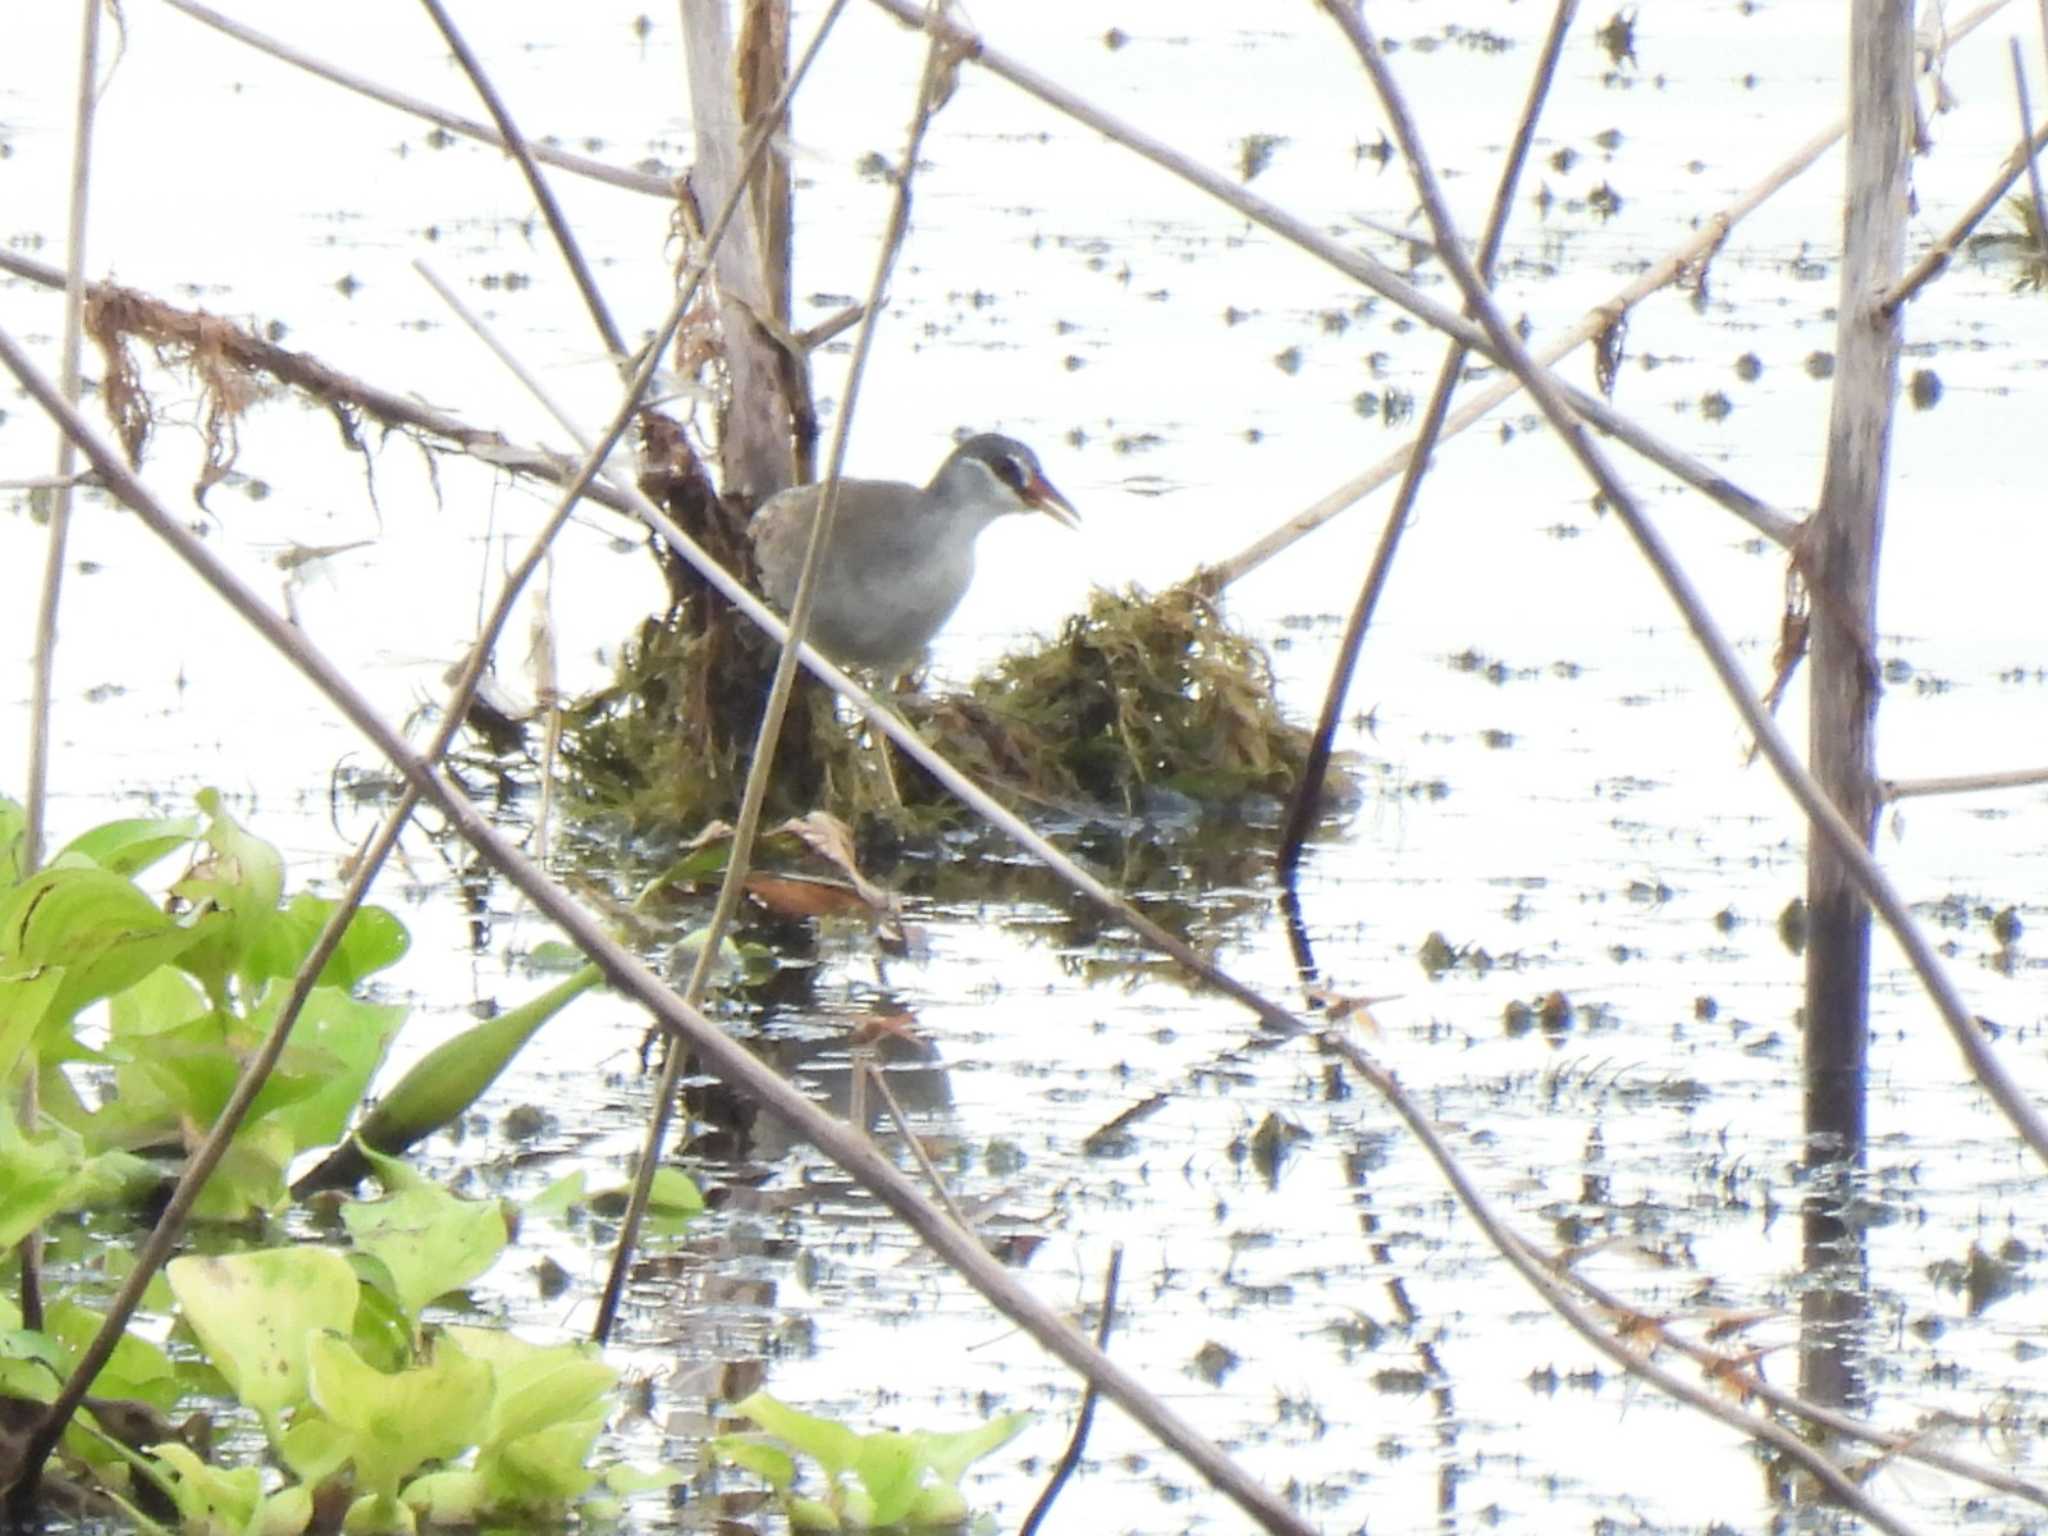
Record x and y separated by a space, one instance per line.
1308 790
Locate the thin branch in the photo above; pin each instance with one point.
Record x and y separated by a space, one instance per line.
1084 1419
550 209
1519 1255
1308 789
663 187
1827 820
1910 1446
870 1072
44 662
727 1058
1943 250
1961 783
344 394
1354 264
732 887
2019 91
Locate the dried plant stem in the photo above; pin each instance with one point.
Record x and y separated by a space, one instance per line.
732 887
543 195
1308 789
1828 822
340 392
663 187
1558 1297
720 1054
1354 264
1962 783
869 1071
1943 250
1084 1419
2019 91
1717 1365
36 795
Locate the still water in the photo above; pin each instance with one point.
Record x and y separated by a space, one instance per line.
1549 780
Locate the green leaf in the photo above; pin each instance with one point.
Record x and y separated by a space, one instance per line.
13 825
130 847
39 1176
137 1368
951 1454
104 933
25 1001
753 1453
429 1242
829 1443
538 1385
891 1467
256 1314
397 1423
239 884
454 1497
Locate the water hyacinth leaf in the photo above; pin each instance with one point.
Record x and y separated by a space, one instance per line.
129 847
451 1497
13 826
337 1044
242 880
38 1177
25 1001
538 1385
256 1314
626 1480
539 1473
891 1468
211 1499
829 1443
951 1454
373 941
137 1369
758 1455
105 934
393 1424
429 1242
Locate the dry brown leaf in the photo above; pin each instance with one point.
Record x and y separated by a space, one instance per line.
802 896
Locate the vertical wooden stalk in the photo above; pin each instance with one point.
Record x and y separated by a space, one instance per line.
1840 552
754 447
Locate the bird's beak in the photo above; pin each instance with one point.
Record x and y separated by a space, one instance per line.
1041 495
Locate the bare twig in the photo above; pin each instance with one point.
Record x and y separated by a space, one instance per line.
732 887
663 187
2019 91
551 210
869 1071
1558 1297
1828 822
1354 264
1308 790
43 664
1962 783
1943 250
722 1055
1084 1418
1913 1447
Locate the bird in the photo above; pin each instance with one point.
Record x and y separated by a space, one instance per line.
901 556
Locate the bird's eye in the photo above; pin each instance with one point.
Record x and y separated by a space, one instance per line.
1014 472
